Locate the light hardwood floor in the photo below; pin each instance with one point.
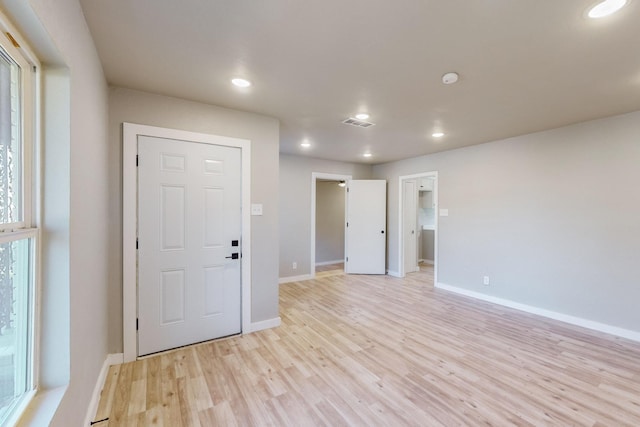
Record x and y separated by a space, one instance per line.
376 350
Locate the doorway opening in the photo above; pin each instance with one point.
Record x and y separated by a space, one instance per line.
418 228
328 223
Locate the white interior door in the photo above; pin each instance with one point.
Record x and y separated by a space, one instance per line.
410 222
189 225
366 227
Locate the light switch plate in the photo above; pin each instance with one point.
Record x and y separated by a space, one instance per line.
256 209
444 212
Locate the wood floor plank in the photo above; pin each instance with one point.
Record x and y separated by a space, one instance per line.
377 350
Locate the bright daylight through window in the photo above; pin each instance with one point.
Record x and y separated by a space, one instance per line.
17 238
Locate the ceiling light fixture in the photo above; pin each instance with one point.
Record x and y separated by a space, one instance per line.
606 8
342 184
241 82
367 154
450 78
305 144
362 116
437 134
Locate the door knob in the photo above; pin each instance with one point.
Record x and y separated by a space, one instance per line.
233 255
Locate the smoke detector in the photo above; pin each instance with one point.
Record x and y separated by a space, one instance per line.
450 78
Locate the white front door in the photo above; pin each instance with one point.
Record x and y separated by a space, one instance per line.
189 224
366 227
410 232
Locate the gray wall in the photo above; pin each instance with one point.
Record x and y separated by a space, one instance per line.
295 206
330 204
552 218
144 108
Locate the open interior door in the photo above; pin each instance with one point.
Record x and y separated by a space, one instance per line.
366 240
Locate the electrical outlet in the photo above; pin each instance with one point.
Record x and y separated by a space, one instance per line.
295 265
485 280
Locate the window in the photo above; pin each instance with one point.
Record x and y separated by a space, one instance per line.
17 237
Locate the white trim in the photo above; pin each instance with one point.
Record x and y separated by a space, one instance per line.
314 177
25 233
427 261
18 409
295 278
401 179
265 324
112 359
130 134
394 273
573 320
29 115
335 261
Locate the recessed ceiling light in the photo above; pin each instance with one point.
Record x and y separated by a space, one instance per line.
362 116
606 8
241 82
450 78
305 144
367 154
437 134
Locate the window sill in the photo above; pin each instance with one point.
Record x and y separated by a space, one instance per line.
42 407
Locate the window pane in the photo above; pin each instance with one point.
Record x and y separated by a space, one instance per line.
10 141
15 308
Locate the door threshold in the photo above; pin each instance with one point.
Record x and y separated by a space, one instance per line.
195 344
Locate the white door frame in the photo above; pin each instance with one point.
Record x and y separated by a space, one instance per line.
401 179
130 134
314 177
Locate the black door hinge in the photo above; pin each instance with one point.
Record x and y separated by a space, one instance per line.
136 243
137 159
136 323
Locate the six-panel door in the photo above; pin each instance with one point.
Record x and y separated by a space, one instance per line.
189 215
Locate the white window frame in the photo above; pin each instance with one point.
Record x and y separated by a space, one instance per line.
26 228
27 127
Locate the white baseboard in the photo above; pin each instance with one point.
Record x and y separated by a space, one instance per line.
578 321
294 278
265 324
393 273
427 261
337 261
112 359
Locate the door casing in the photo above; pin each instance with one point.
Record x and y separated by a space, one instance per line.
130 133
401 241
314 179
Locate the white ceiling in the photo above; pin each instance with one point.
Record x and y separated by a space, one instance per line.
524 66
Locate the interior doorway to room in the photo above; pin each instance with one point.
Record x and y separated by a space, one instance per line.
418 228
328 219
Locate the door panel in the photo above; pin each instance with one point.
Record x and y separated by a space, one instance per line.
366 230
410 222
189 211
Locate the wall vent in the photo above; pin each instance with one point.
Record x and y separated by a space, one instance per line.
358 123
